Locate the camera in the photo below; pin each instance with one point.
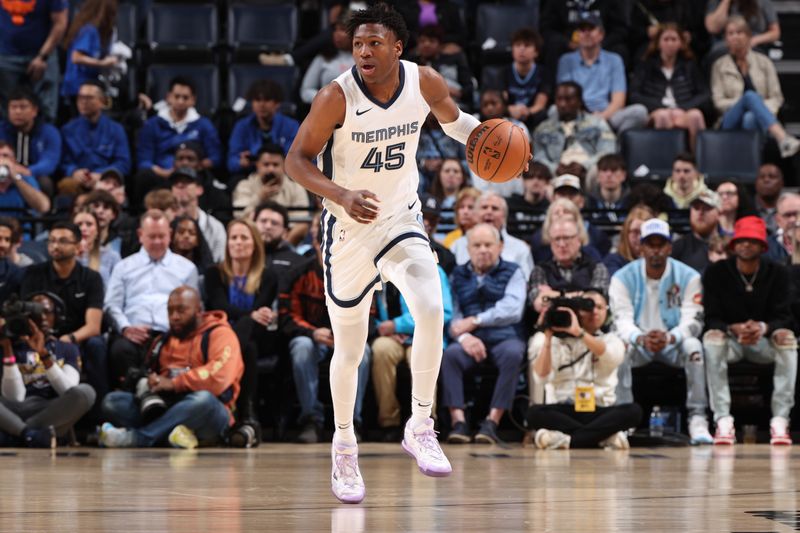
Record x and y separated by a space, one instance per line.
151 404
5 173
16 313
560 318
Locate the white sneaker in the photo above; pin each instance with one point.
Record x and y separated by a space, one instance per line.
421 444
113 437
789 146
726 432
550 439
779 432
698 431
617 441
346 481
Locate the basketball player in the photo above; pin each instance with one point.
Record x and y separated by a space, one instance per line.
363 129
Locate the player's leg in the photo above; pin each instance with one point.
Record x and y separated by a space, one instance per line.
411 268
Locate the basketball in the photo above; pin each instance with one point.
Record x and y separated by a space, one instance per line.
497 150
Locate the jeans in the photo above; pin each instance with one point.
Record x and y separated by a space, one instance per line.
688 355
722 349
200 411
60 412
749 113
306 357
13 72
629 117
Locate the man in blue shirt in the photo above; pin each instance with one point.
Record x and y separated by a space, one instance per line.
29 35
177 123
38 144
18 189
264 125
601 74
93 143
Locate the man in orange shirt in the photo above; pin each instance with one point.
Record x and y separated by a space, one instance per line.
191 386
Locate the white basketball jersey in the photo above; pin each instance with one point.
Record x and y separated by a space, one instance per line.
376 146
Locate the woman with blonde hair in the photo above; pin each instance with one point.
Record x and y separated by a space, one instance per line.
99 258
464 214
629 247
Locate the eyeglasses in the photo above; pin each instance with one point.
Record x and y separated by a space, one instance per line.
563 239
60 242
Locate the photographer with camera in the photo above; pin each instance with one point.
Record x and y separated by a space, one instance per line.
188 387
488 302
577 364
657 306
81 290
40 395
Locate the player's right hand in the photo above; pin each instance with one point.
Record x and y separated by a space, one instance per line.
358 205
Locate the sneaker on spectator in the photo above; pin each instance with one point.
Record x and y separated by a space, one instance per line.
182 437
789 146
726 432
459 434
275 59
698 431
422 444
112 437
779 432
346 481
617 441
487 432
310 433
39 437
550 439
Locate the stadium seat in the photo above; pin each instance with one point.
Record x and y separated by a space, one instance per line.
262 27
188 32
732 154
127 24
497 22
653 149
492 77
241 76
205 78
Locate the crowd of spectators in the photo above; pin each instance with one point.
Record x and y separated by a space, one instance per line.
170 256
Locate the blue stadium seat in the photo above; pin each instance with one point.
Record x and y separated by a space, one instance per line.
241 76
492 77
654 149
205 78
262 27
498 22
185 30
734 154
127 24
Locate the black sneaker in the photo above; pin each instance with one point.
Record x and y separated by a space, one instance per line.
459 434
245 435
310 433
39 437
487 433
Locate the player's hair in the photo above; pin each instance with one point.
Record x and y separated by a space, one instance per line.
257 261
382 14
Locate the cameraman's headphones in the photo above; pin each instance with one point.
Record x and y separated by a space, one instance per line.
60 310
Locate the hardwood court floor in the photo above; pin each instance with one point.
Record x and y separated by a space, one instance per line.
284 487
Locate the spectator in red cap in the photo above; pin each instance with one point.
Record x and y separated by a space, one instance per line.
748 316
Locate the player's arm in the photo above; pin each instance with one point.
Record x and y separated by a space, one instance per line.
327 111
455 123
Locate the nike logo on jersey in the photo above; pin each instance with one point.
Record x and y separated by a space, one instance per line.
360 112
412 204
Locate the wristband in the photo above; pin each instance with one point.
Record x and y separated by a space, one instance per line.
462 337
9 360
461 127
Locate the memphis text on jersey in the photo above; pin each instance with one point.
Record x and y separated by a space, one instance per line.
385 134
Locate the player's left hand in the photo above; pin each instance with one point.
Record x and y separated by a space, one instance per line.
359 207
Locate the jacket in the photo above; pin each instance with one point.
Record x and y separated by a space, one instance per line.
97 147
246 135
158 139
39 150
217 293
224 368
727 84
592 133
649 85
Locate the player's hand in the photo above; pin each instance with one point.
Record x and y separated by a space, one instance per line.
359 207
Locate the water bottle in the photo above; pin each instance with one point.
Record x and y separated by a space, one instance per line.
656 422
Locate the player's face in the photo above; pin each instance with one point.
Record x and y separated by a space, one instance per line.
376 51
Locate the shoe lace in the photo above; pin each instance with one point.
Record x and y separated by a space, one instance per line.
428 440
347 466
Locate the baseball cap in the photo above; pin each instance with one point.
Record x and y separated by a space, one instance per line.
567 180
710 198
113 174
589 18
654 226
184 174
194 146
430 205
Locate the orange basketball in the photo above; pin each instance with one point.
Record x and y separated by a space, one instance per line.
497 150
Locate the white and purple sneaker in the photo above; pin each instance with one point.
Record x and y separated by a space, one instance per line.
421 444
346 481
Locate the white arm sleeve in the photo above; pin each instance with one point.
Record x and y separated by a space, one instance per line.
12 387
63 378
461 127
